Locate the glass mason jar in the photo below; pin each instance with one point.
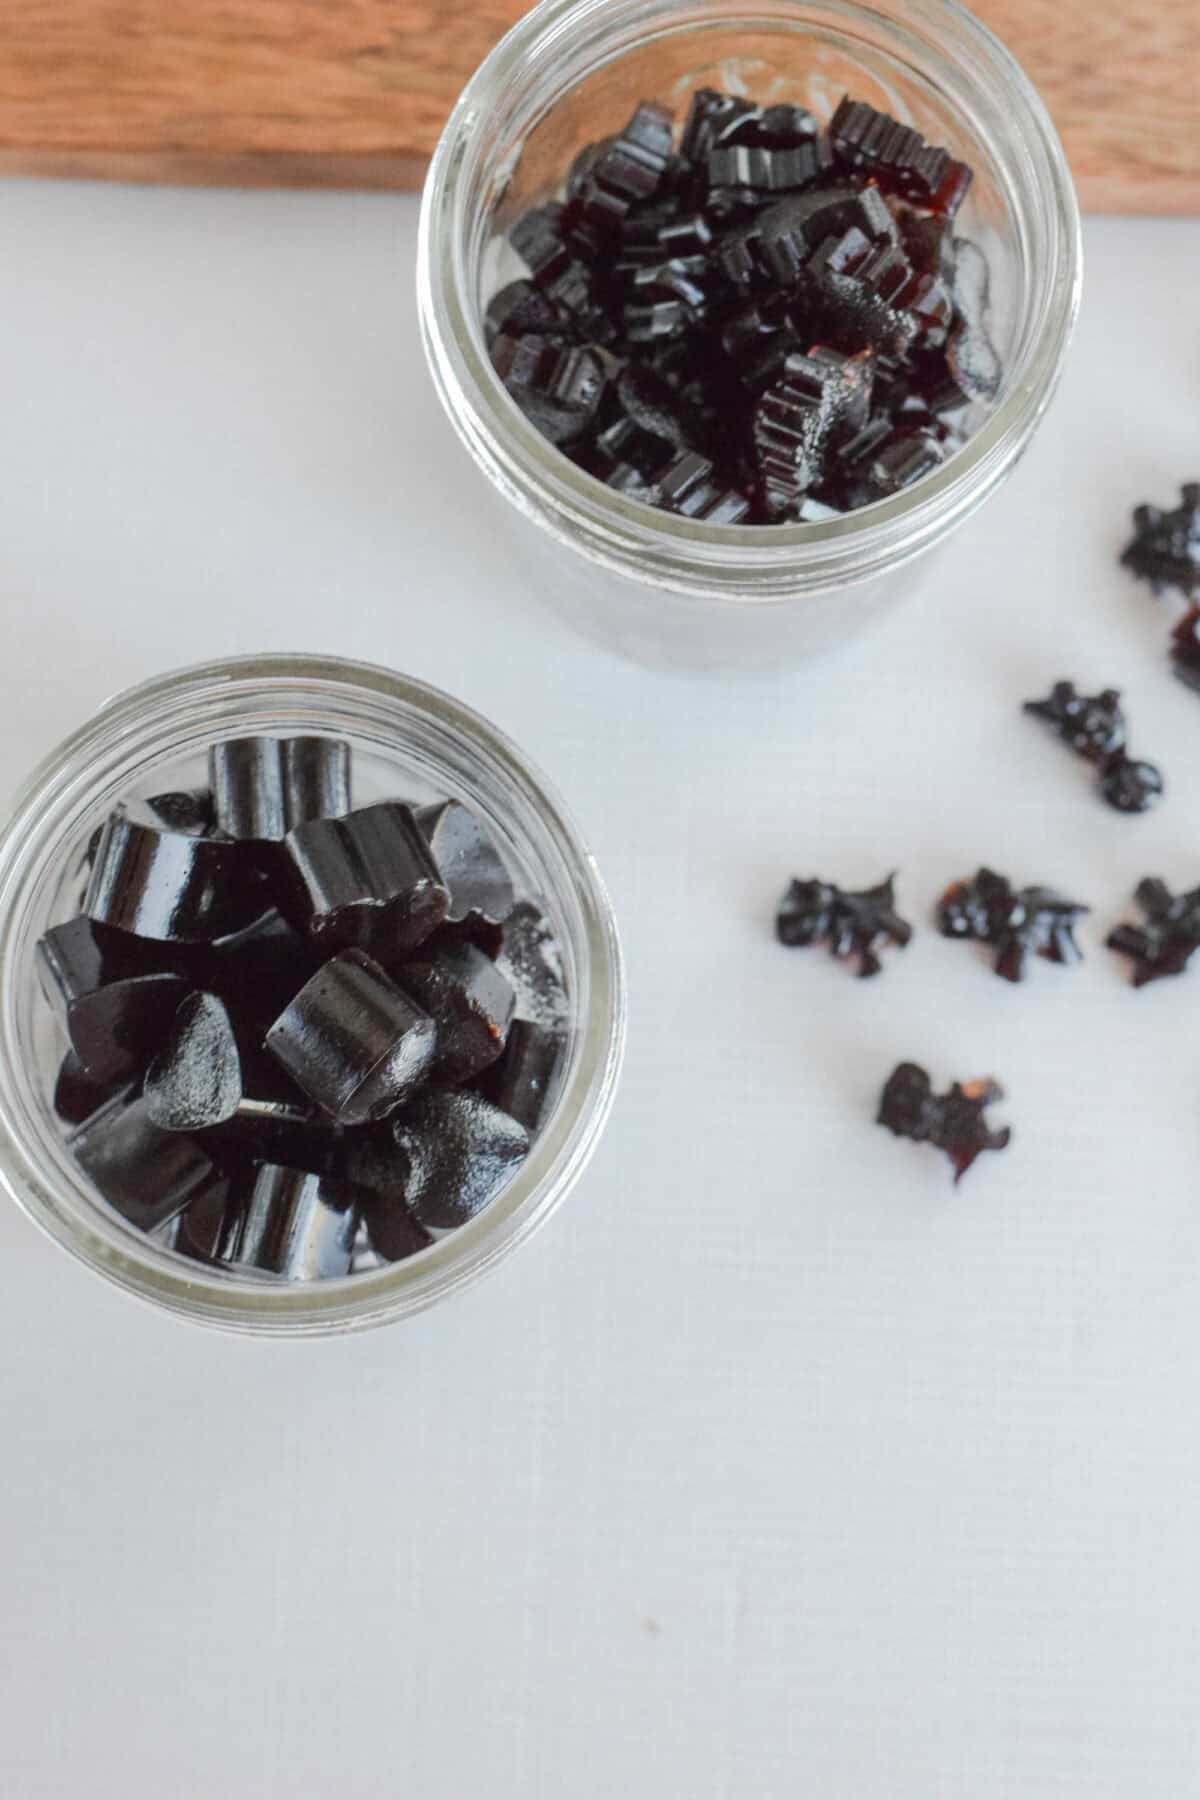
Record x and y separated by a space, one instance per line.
408 740
666 588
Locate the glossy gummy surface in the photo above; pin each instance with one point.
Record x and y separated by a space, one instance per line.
406 739
953 1122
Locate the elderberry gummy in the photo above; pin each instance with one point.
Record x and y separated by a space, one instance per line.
953 1122
1168 937
1165 547
1015 922
1094 727
303 1036
754 318
851 924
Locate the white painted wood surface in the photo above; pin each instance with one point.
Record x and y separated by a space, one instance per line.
774 1468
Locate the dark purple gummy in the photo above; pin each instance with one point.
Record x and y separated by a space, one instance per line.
171 885
146 1174
113 994
1015 922
796 417
872 143
559 386
195 1080
1130 786
471 868
521 1079
850 923
460 1152
267 1129
471 1005
296 1224
1167 938
353 1041
695 276
367 881
1165 547
1093 726
76 1095
264 787
953 1122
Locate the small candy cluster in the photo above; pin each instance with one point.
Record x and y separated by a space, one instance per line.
1165 551
303 1037
1094 727
1015 923
762 322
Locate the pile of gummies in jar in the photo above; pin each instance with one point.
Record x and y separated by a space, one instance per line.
763 322
305 1039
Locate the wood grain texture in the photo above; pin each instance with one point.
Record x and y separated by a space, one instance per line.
307 93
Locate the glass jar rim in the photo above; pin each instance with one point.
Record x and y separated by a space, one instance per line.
747 564
60 1201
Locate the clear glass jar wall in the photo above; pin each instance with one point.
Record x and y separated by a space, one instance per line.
666 588
408 740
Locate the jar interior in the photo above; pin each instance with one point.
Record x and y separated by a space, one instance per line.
577 92
433 762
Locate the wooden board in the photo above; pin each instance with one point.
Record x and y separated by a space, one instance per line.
353 93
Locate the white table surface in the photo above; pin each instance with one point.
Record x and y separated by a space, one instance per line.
773 1467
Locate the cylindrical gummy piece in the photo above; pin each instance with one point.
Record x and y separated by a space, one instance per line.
264 787
298 1225
169 885
353 1041
367 881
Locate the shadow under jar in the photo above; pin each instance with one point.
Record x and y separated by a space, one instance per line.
669 589
406 740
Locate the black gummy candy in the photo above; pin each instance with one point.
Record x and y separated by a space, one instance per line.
377 1167
1131 786
1015 922
268 1129
1165 547
144 1173
353 1041
667 293
558 385
115 997
470 1003
897 157
460 1152
520 1081
195 1080
297 1224
850 923
392 1231
367 881
953 1122
1169 936
170 885
256 972
209 1227
1094 727
77 1096
264 787
470 866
